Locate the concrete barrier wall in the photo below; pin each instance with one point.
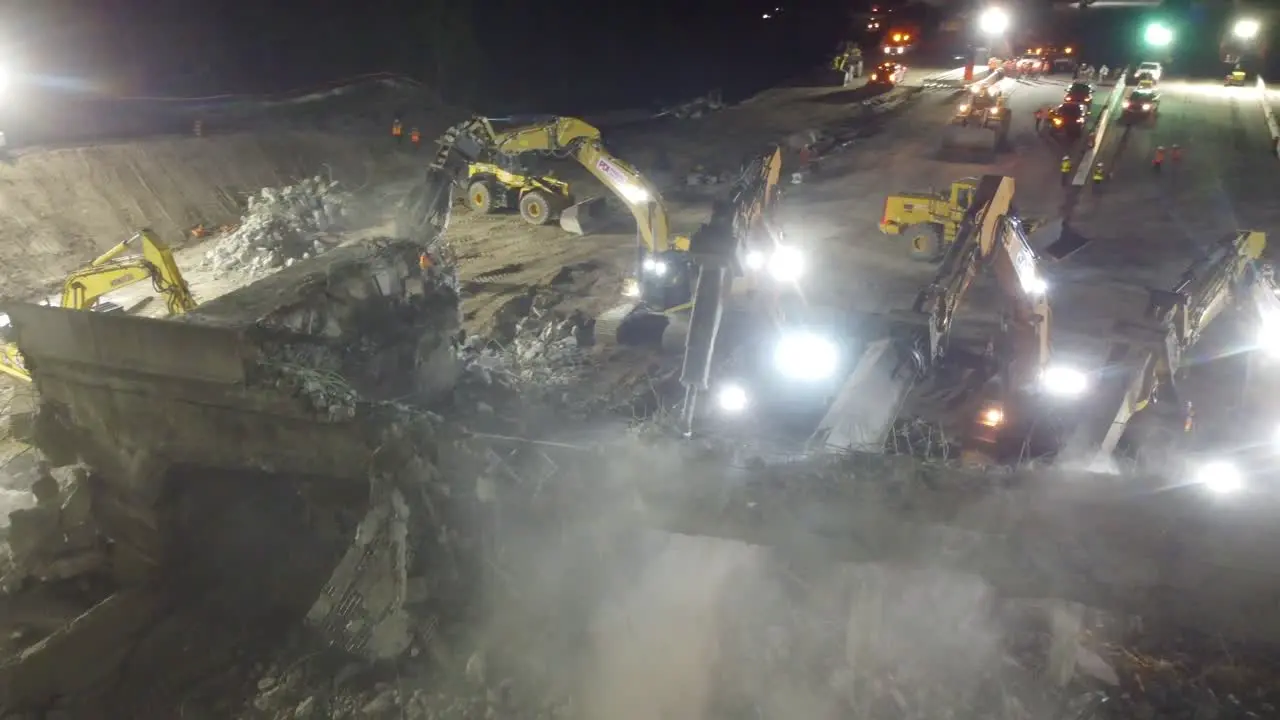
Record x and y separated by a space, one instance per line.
1265 100
1086 162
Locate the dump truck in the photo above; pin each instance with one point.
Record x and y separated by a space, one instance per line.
930 220
980 123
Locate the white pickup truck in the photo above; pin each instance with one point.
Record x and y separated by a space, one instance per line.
1154 68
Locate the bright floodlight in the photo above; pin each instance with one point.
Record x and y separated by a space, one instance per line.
1062 381
732 398
1220 476
807 356
1246 29
786 264
1158 35
993 21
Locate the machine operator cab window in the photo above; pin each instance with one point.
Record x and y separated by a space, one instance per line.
964 197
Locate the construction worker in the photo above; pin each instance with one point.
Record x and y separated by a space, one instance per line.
1066 169
415 138
1175 154
1040 116
1157 160
397 130
1098 176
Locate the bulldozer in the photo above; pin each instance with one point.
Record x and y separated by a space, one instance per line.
540 199
980 124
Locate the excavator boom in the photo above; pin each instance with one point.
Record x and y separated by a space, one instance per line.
110 272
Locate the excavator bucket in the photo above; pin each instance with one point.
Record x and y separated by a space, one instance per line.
585 217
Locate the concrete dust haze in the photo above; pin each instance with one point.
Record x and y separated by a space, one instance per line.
686 628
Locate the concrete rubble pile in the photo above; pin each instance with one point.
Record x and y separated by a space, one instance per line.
285 386
544 349
282 226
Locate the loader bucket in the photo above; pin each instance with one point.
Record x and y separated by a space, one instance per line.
585 217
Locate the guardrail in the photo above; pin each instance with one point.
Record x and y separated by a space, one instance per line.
1269 116
1091 154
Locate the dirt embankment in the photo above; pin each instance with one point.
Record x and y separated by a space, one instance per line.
60 208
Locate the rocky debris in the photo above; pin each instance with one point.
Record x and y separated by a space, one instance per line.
545 348
695 108
282 226
58 538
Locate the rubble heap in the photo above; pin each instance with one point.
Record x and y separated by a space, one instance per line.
281 226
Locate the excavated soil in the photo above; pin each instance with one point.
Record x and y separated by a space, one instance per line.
61 208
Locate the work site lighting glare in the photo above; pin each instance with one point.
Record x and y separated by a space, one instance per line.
1246 29
993 21
786 264
732 398
1061 381
806 356
755 260
1220 477
633 194
1158 35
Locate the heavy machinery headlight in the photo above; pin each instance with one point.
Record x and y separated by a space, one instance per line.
991 416
1063 381
1219 477
755 260
874 76
1146 106
732 398
1126 104
1268 338
1035 285
1057 122
806 355
655 267
963 108
786 264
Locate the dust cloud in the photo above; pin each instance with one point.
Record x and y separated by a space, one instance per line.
655 625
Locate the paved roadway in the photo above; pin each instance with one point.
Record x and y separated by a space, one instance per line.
1143 230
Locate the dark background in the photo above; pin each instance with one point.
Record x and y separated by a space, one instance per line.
501 56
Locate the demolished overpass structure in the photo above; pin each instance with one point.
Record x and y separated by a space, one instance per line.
258 453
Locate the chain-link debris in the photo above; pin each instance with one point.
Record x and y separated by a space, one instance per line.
282 226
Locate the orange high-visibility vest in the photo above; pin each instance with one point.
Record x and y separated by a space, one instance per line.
397 129
414 136
424 261
1159 158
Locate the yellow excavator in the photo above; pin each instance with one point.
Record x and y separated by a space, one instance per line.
148 258
917 368
663 278
1140 410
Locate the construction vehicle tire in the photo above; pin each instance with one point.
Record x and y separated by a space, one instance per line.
925 242
535 208
480 197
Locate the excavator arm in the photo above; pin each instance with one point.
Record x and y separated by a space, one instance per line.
1145 364
991 234
741 226
110 272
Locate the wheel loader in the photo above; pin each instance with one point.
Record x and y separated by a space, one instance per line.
930 221
980 125
540 199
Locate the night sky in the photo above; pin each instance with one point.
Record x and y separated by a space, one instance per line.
576 52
